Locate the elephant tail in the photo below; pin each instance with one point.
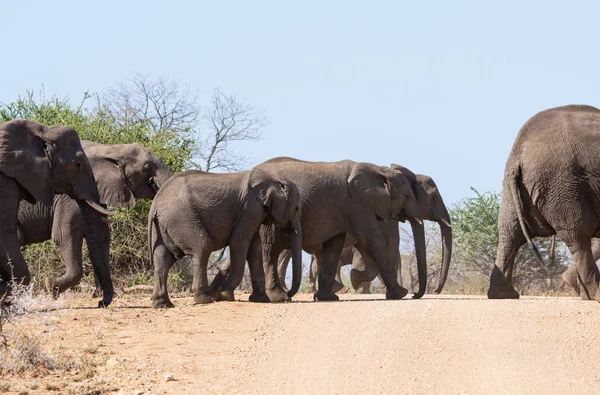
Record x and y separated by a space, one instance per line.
514 189
151 224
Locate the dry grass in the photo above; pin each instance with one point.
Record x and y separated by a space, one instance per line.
27 324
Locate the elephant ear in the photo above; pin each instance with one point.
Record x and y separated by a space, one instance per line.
272 194
369 185
23 157
409 175
110 180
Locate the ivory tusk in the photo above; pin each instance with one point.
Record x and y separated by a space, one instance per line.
418 220
99 208
446 223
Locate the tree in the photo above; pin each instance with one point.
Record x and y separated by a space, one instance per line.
475 234
157 104
228 120
163 106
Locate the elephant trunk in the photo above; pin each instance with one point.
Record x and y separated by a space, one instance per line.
97 237
419 236
446 230
296 244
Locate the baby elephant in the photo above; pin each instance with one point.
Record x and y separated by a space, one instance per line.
196 213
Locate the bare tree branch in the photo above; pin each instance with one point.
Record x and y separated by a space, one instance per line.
228 120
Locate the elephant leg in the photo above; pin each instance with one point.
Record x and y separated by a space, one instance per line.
200 286
282 265
358 277
70 251
15 270
273 244
570 275
329 258
239 244
366 288
257 271
373 245
510 239
587 271
312 274
338 285
163 260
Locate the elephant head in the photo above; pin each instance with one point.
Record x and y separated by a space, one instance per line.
384 191
282 202
124 172
431 208
46 161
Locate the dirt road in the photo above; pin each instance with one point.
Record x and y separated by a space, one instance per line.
362 344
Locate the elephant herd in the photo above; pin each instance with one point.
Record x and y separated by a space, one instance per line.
55 186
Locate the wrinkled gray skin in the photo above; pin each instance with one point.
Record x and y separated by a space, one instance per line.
196 213
431 207
122 172
570 275
37 162
342 203
551 186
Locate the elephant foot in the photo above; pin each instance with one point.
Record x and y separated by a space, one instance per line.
570 278
278 296
366 290
224 295
259 298
205 298
337 287
396 293
343 290
355 278
161 303
325 296
502 292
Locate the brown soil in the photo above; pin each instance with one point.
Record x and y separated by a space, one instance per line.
363 344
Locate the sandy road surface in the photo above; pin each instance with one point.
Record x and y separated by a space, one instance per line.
362 344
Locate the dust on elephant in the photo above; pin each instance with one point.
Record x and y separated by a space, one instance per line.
122 172
551 187
196 213
37 162
431 207
339 199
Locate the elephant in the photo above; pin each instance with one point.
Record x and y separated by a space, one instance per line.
196 213
339 199
551 187
122 172
431 207
36 163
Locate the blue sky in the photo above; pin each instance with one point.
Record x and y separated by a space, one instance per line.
439 87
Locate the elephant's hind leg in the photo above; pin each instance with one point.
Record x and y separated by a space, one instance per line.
570 275
163 260
510 239
328 259
200 287
587 271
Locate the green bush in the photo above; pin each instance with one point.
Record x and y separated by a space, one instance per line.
129 250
